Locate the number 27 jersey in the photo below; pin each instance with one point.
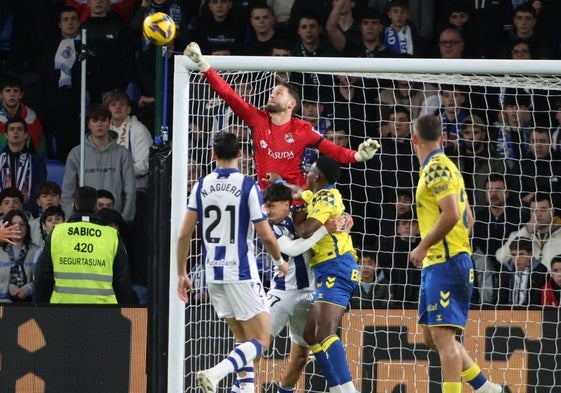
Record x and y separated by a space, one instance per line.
227 203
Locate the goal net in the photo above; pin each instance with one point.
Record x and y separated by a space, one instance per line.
501 126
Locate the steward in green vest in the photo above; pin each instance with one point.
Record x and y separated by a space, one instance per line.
83 261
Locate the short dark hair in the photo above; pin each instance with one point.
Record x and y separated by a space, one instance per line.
495 177
556 259
400 109
521 243
16 119
52 211
12 192
11 79
526 7
369 13
281 43
98 111
329 168
67 8
369 251
101 193
277 193
112 216
397 3
292 92
85 199
226 145
49 187
429 128
543 196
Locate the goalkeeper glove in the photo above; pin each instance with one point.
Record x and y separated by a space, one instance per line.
193 52
366 150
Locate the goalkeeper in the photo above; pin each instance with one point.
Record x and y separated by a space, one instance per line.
279 139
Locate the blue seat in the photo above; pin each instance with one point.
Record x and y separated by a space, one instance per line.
55 171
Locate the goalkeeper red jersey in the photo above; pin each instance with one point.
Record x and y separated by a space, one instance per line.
277 148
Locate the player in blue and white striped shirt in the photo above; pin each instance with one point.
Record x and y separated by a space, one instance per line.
228 206
292 292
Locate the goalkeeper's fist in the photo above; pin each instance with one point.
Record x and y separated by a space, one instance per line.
366 150
193 52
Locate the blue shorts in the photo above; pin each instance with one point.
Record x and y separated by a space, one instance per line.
336 280
445 294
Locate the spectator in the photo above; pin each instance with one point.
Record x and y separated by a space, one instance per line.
11 105
552 289
98 275
19 166
451 43
513 127
404 277
522 279
263 33
556 131
131 134
543 228
111 64
452 113
121 9
48 195
524 20
52 216
107 165
221 24
493 223
105 200
521 50
17 261
370 25
400 37
341 26
537 171
59 107
373 290
310 43
11 198
477 158
398 166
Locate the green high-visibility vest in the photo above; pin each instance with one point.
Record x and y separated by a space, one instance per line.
83 254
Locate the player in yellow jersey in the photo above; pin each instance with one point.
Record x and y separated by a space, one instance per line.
336 273
445 220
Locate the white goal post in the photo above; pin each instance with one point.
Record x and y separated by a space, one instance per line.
523 74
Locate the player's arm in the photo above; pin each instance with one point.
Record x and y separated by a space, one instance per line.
307 228
184 286
449 216
240 107
365 152
269 241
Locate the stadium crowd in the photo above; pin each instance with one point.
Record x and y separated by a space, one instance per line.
505 141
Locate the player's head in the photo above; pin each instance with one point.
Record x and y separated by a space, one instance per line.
428 128
85 199
324 171
226 146
284 97
277 198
